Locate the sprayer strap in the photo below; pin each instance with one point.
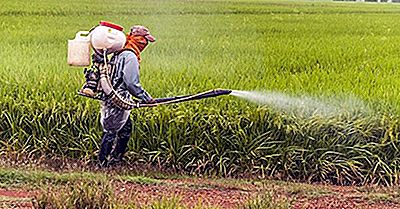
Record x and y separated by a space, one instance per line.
113 70
120 80
124 49
118 84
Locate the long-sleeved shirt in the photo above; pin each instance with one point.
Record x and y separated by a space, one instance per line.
125 76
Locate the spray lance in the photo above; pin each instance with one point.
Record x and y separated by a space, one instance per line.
106 39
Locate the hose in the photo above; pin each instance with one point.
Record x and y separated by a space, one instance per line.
120 102
108 89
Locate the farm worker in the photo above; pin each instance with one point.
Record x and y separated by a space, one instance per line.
116 123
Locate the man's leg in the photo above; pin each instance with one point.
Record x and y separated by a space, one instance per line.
122 141
106 146
112 120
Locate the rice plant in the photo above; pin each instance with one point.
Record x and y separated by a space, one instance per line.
320 49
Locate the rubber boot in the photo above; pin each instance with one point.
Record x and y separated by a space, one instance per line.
106 147
122 141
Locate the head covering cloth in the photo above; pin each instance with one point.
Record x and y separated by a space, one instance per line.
138 39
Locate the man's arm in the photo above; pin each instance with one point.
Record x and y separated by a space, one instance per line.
131 78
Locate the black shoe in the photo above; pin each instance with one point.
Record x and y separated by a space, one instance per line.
102 164
115 162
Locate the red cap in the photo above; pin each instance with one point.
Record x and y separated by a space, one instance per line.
111 25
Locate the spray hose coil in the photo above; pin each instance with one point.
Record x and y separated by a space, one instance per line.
119 101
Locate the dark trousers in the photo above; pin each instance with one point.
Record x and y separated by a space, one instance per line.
119 138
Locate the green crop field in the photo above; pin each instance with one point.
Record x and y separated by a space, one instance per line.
315 48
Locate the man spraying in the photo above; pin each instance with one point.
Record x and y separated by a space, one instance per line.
115 121
116 81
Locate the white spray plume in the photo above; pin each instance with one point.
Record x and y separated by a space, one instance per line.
305 105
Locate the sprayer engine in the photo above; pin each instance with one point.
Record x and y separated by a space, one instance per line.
91 87
104 39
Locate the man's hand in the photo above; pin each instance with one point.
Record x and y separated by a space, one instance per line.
151 101
97 58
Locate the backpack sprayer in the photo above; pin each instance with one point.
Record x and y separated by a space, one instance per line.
108 38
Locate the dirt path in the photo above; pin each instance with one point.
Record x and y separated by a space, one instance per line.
348 197
342 203
190 196
229 195
15 198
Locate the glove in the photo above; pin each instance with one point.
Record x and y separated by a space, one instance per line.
97 58
151 101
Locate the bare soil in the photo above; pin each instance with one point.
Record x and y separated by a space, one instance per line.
15 198
222 193
206 192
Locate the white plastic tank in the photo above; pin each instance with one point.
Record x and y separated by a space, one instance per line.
107 36
79 49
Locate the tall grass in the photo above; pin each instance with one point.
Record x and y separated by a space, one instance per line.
313 48
99 194
91 195
267 200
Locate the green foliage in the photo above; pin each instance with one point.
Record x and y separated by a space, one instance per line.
91 195
313 48
96 194
17 177
267 201
138 179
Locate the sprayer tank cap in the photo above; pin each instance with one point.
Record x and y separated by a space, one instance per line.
111 25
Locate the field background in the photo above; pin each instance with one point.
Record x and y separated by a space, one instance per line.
295 47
